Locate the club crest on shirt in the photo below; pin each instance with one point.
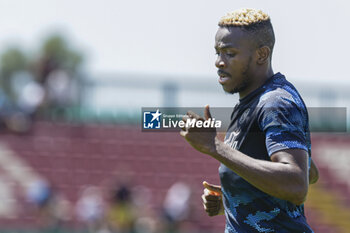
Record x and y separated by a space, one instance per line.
231 139
244 116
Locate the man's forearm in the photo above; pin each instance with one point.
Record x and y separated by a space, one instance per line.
278 179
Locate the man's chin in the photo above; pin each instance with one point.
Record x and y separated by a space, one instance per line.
235 89
230 90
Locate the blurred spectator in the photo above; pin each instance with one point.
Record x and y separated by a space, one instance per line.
147 221
11 117
61 90
39 192
54 210
14 66
29 93
122 213
18 83
177 205
90 209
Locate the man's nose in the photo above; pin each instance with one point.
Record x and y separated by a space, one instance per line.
220 63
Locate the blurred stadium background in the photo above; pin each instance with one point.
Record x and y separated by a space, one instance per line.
72 154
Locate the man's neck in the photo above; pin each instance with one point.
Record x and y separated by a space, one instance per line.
257 82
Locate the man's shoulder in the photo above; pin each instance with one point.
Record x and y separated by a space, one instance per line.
280 93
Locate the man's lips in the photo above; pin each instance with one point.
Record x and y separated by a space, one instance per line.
224 77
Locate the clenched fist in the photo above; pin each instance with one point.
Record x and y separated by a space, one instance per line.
212 199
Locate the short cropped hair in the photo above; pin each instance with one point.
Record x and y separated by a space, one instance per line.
255 22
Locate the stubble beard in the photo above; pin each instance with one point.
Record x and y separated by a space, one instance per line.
245 79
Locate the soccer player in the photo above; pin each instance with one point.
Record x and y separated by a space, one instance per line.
266 164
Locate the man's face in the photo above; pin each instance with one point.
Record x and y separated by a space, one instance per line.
235 58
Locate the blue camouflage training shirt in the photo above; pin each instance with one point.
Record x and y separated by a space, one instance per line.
271 118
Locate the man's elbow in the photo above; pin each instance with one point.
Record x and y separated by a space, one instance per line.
314 175
299 200
299 196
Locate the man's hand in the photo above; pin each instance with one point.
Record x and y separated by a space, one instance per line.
202 139
212 199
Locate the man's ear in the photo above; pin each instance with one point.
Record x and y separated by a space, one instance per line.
263 55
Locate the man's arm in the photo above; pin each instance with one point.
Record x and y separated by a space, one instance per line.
284 177
313 174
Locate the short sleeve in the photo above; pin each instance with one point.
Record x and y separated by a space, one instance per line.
283 121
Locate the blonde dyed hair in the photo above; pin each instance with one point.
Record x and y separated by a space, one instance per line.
244 17
254 22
